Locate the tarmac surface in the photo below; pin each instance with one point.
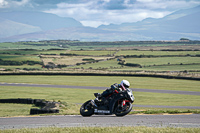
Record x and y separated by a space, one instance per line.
190 120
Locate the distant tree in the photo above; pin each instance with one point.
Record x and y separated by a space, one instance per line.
132 65
184 39
50 65
88 59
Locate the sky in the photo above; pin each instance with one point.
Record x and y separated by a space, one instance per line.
97 12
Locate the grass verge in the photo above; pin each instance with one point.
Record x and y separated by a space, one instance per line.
165 111
136 129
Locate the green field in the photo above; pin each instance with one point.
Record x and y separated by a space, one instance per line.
166 68
38 67
149 64
58 52
71 60
101 52
31 52
135 129
19 57
92 52
156 53
77 45
106 81
163 60
149 60
109 64
21 45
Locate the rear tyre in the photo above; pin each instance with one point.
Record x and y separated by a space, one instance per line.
122 111
87 109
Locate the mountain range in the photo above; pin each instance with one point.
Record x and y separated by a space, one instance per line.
35 26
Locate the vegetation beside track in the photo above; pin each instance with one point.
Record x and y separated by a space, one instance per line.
134 129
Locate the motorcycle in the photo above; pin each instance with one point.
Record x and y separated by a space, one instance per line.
118 103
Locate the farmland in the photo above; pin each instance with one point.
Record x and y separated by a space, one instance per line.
169 58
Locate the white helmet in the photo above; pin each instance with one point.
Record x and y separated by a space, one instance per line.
125 84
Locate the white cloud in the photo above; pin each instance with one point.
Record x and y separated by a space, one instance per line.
80 11
3 4
92 14
95 24
21 3
167 4
13 4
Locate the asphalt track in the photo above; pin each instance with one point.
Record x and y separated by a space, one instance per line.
103 88
192 120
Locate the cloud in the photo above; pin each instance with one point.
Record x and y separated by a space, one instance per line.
115 5
167 4
92 23
96 12
3 4
13 3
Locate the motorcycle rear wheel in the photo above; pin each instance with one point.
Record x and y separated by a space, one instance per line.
125 110
87 109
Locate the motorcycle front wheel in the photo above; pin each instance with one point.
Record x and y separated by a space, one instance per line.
87 109
122 111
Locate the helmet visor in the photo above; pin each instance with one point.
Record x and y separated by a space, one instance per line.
126 86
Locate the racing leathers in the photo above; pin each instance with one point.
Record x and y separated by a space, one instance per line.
109 91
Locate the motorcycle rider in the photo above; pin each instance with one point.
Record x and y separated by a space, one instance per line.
115 87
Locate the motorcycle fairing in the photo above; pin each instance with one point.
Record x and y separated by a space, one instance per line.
118 97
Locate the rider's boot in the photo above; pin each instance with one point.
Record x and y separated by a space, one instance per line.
93 103
98 97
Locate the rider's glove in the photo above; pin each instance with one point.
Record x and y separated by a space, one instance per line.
114 87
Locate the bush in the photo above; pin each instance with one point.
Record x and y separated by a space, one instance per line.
88 59
132 65
11 63
61 66
8 70
18 63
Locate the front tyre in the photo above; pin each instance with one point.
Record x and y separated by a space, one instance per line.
87 109
122 111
